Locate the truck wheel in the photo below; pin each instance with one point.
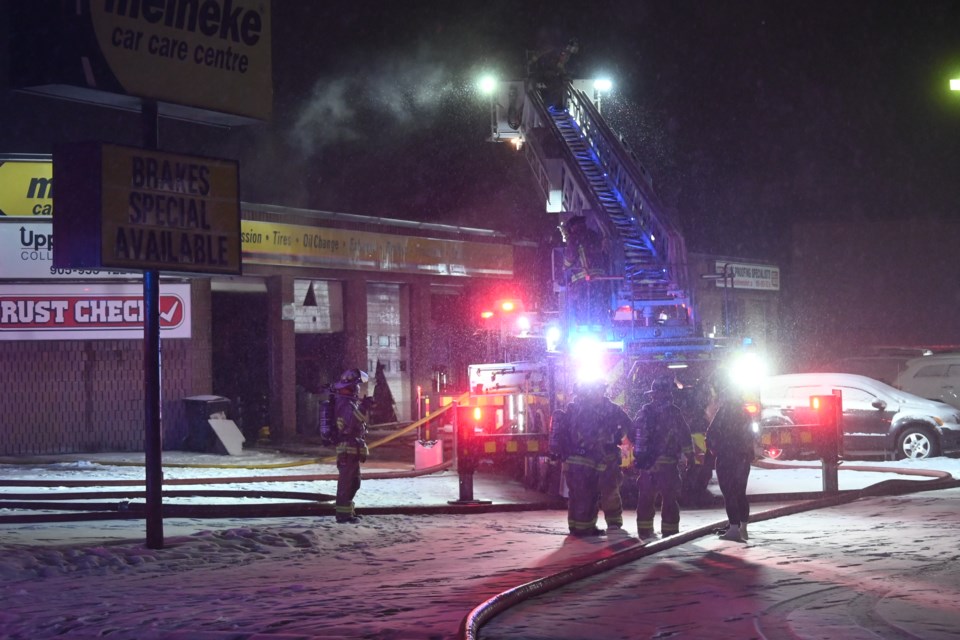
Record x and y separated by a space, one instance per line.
917 443
772 453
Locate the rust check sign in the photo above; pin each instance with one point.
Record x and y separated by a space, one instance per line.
156 210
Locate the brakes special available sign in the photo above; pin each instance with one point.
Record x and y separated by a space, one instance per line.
89 312
137 209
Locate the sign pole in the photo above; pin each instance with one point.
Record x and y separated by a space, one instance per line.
151 367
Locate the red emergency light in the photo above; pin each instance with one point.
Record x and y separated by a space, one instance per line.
827 409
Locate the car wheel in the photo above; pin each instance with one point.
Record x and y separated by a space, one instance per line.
916 443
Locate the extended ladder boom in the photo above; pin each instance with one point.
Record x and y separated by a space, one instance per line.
584 168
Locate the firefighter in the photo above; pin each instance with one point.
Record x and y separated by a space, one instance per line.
593 426
730 438
700 411
559 449
583 261
615 424
573 441
351 446
662 438
548 69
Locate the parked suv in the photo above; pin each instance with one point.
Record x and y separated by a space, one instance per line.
877 419
936 377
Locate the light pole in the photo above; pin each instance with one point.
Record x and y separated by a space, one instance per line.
726 276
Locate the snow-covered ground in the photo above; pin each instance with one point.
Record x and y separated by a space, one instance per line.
878 567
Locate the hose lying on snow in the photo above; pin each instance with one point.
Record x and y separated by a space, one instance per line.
385 475
485 611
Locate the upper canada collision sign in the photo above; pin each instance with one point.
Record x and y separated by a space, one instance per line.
135 209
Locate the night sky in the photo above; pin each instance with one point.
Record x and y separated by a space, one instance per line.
749 115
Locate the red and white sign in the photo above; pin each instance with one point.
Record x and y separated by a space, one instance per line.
89 312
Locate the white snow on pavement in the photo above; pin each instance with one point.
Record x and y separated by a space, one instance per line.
864 568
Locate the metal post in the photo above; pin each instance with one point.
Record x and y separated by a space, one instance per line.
831 462
831 482
456 435
464 465
726 301
151 368
466 486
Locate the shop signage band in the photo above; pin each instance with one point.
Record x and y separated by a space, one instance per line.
135 209
748 276
280 244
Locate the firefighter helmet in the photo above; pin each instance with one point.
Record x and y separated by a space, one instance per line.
351 378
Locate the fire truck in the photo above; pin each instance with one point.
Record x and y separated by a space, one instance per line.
538 351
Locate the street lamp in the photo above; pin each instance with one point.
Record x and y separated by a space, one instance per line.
601 86
487 84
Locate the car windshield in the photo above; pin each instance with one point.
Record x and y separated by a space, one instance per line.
854 386
884 390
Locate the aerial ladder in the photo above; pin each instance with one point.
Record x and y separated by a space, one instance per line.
584 168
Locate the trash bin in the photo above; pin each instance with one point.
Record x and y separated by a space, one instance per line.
200 435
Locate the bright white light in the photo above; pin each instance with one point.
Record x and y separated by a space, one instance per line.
553 336
523 324
487 84
748 370
955 84
603 84
521 414
587 356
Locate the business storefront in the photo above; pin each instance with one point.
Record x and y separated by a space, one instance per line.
737 298
319 292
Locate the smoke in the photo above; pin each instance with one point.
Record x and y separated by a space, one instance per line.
326 118
398 95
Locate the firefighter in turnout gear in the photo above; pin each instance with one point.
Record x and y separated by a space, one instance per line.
700 409
351 446
590 432
613 420
559 447
730 438
662 438
584 263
